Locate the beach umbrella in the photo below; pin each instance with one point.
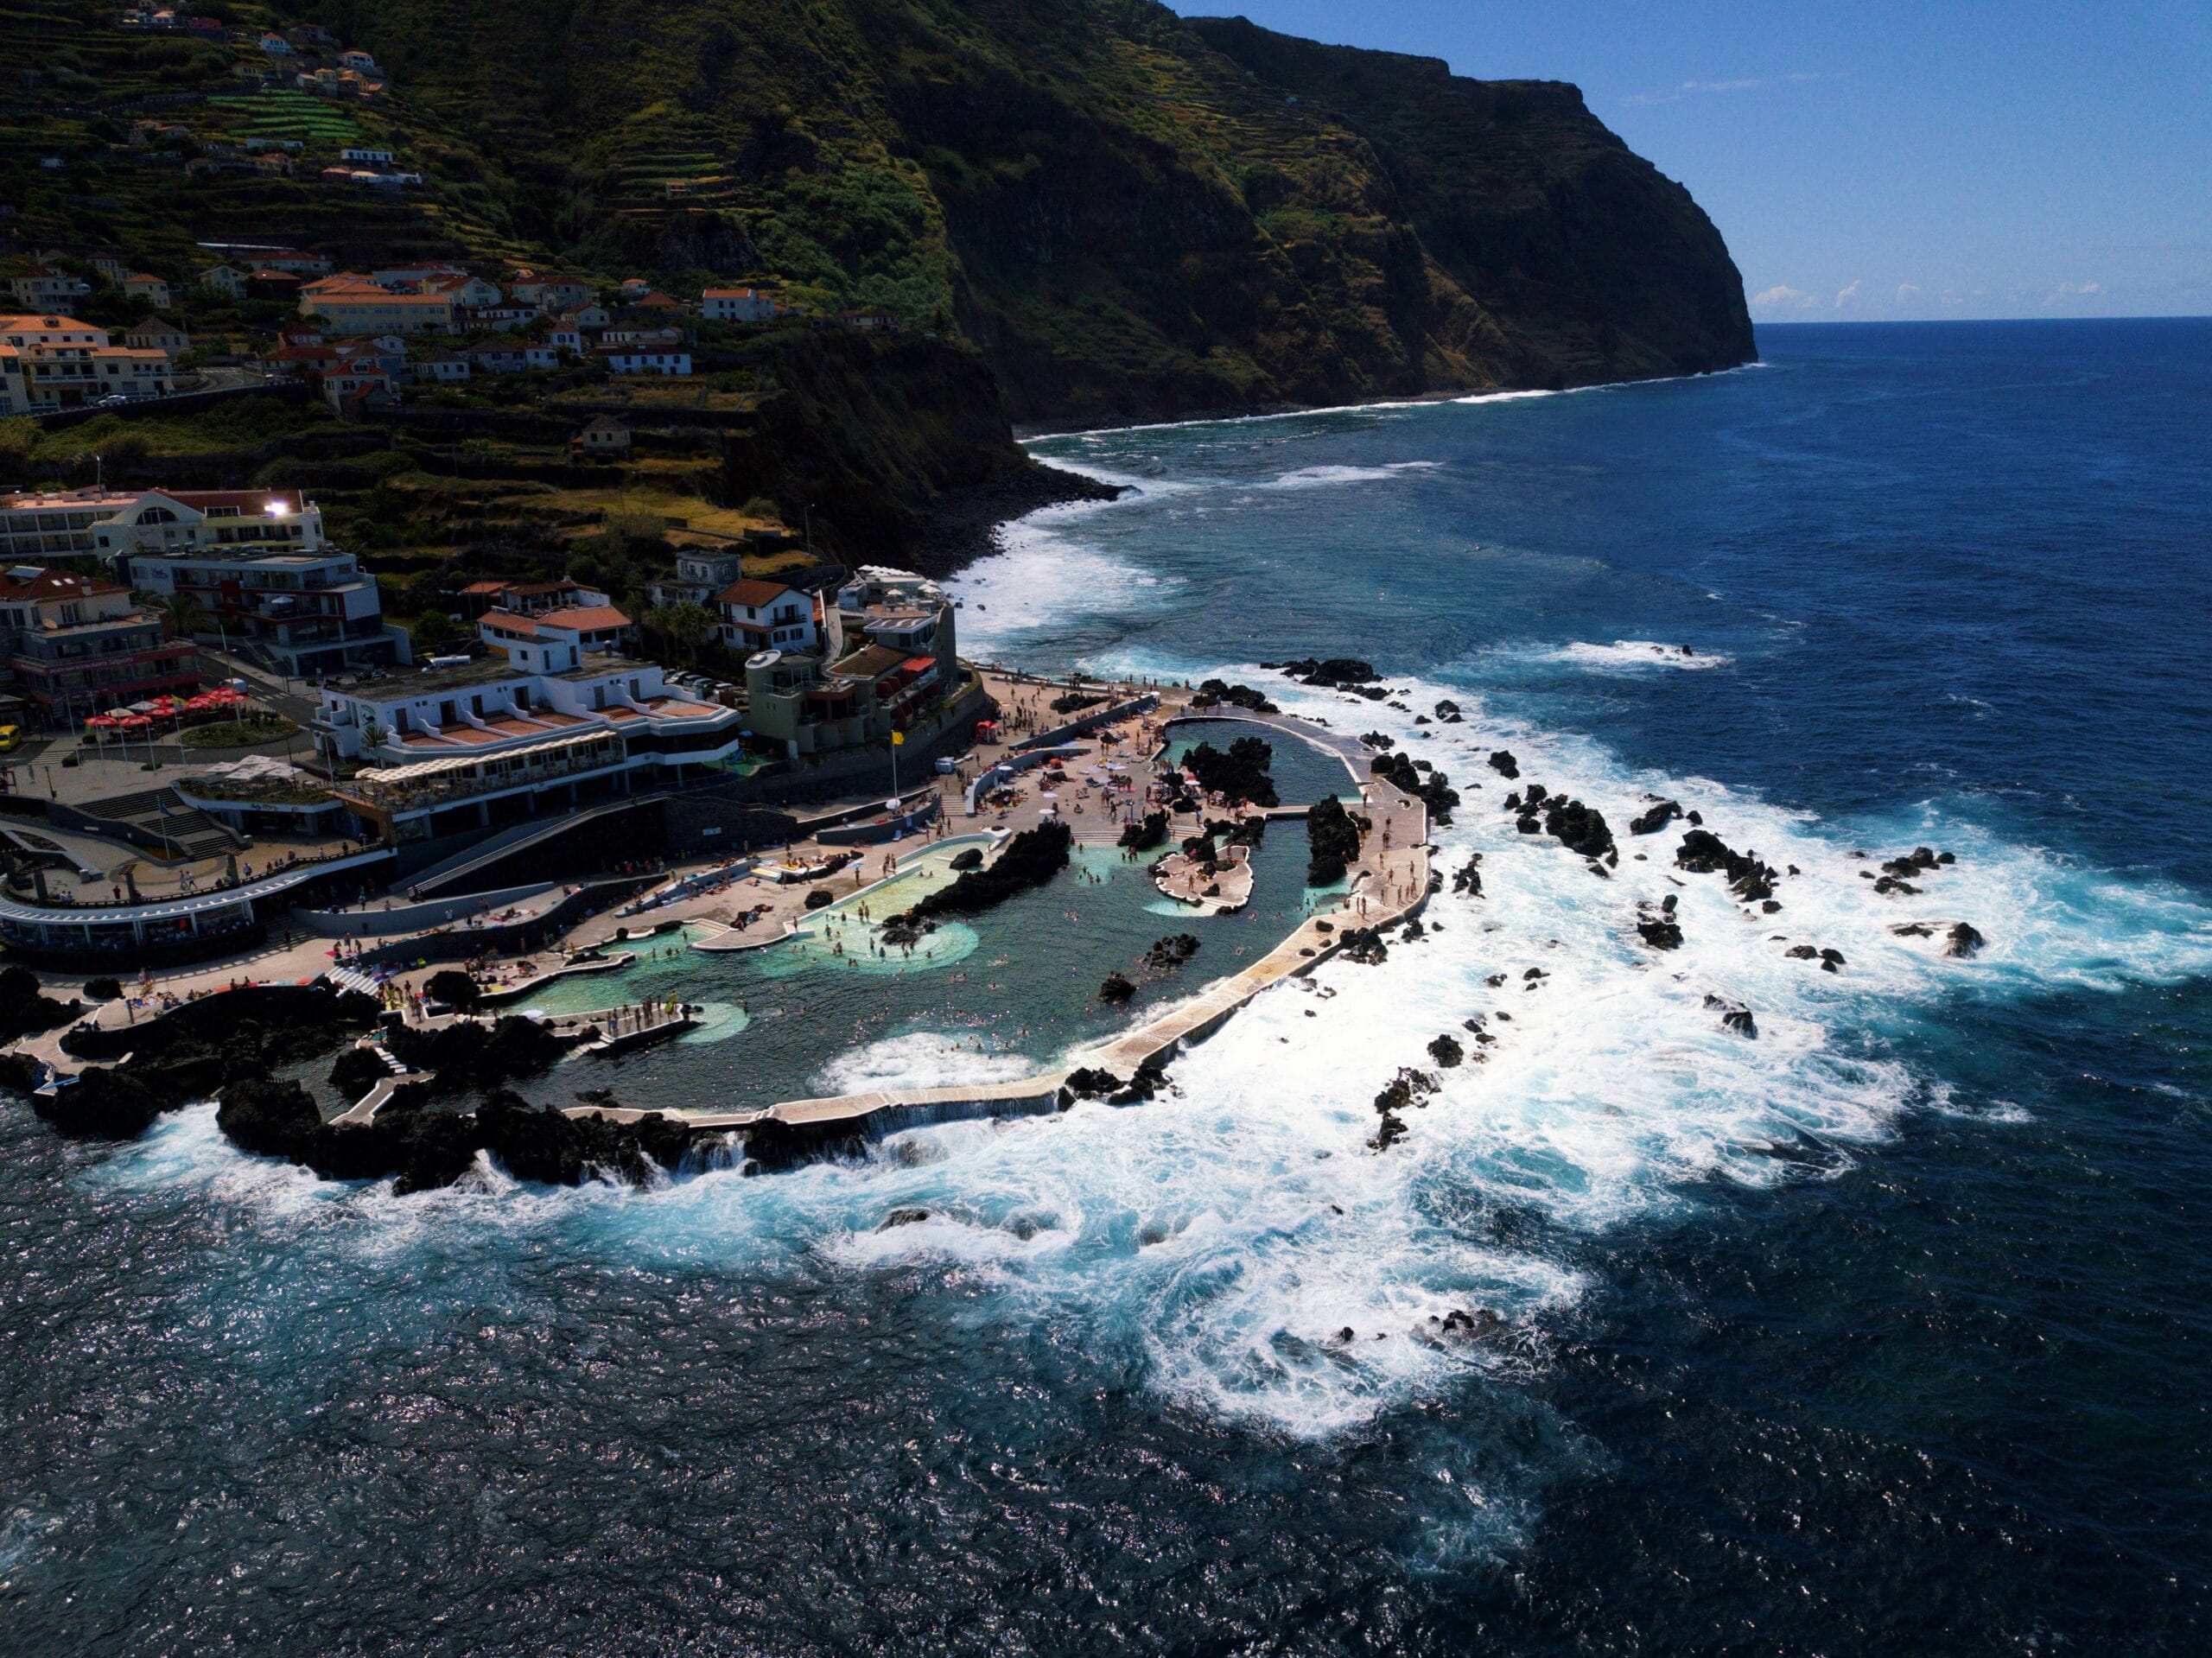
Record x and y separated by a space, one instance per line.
148 707
134 723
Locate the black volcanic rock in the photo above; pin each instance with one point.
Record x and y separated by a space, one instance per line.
1702 852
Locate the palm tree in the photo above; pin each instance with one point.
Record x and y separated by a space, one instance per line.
689 626
183 616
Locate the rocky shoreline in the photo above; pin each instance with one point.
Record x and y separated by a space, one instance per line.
965 525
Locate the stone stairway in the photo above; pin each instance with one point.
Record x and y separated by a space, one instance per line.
351 978
158 814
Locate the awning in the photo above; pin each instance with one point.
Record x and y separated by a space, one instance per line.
410 773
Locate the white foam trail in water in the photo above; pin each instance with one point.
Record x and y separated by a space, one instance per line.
1629 657
925 1059
1517 396
1326 476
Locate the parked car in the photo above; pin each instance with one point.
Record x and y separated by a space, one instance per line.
11 738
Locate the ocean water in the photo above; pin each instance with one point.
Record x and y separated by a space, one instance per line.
1887 1331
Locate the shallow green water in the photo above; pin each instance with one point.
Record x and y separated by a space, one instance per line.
1000 995
1303 774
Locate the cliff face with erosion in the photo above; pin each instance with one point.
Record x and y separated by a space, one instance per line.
1130 213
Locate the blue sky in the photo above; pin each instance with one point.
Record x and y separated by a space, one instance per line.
1878 160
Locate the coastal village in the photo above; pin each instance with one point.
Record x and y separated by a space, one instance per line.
582 848
252 760
226 770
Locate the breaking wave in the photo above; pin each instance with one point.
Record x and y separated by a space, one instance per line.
1632 656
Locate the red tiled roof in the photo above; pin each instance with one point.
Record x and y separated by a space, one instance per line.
584 618
869 664
53 585
753 592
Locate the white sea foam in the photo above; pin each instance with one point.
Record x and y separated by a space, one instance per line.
1515 397
1044 580
1630 657
1227 1233
1327 477
1221 1238
925 1059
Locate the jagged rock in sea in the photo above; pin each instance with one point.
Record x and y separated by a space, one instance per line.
1963 940
1734 1016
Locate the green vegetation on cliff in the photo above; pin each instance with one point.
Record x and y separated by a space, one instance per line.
1128 213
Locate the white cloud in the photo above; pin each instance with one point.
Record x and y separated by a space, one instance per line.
1908 292
1846 296
1743 84
1781 297
2067 290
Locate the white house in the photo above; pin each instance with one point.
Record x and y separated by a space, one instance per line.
45 289
442 366
762 615
648 362
736 305
587 628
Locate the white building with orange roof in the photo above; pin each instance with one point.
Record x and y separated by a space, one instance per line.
737 305
351 303
587 628
64 364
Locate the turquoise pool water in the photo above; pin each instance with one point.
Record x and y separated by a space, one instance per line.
997 995
1303 774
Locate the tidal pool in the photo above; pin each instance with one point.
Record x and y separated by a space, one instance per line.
998 994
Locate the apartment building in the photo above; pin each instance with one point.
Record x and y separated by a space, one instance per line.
308 613
887 668
42 288
62 363
78 645
51 527
354 305
459 744
223 523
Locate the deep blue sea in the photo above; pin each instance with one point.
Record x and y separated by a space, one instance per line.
1889 1330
